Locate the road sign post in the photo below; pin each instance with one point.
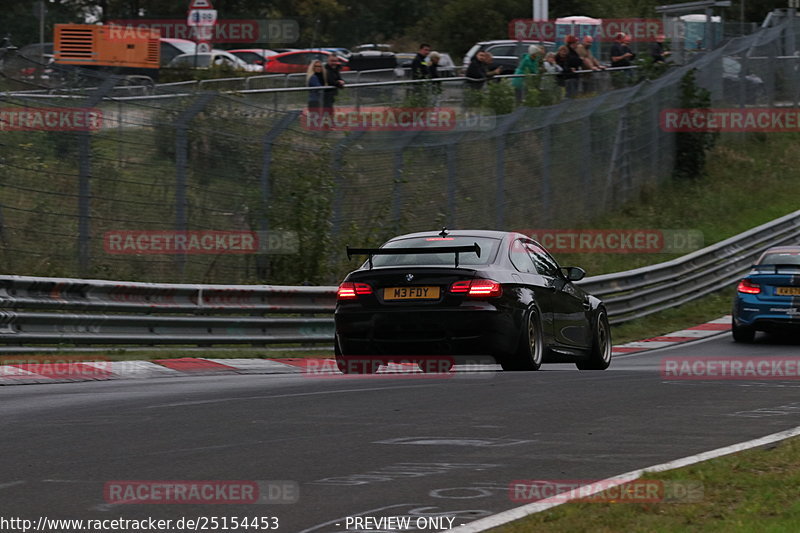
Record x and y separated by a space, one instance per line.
202 17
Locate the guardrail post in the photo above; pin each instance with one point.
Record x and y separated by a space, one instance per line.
181 162
84 179
265 185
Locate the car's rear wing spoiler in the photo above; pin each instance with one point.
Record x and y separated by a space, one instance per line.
474 248
786 266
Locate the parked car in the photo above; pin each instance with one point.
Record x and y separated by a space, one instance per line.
466 296
506 52
446 66
744 89
767 298
253 56
214 58
297 61
172 48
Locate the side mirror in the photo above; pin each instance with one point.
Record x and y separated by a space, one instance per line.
574 273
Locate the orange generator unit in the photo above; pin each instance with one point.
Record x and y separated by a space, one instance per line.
120 49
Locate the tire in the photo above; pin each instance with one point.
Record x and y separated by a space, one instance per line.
742 333
600 354
530 350
353 364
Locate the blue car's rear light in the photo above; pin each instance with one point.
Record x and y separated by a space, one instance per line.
748 287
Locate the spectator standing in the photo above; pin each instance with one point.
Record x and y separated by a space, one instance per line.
315 77
550 64
621 54
432 65
419 68
528 65
334 79
657 51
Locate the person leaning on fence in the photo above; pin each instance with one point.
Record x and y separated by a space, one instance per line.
315 77
334 79
419 68
571 62
585 51
478 70
528 66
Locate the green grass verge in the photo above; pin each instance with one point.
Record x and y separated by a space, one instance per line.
755 490
751 180
699 311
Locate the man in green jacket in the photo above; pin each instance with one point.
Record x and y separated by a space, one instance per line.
528 65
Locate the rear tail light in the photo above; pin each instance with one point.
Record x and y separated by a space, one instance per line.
477 288
748 287
351 291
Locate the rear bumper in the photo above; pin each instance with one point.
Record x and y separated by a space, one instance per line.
463 334
766 316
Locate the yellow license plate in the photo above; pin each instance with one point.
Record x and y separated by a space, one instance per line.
410 293
788 291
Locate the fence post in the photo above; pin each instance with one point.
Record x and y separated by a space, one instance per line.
338 193
84 178
399 168
500 173
181 162
265 185
452 169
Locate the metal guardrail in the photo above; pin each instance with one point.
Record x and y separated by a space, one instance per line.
647 290
75 311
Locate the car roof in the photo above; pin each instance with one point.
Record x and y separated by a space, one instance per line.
458 233
256 50
512 41
781 249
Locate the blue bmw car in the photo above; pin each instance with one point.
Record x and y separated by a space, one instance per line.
768 298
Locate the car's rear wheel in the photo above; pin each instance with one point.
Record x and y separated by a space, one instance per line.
354 364
742 333
600 354
530 351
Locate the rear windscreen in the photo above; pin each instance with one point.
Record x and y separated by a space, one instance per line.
487 245
783 258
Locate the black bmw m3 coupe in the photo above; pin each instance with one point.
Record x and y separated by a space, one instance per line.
453 297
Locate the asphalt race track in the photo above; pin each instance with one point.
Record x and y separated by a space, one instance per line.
410 445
